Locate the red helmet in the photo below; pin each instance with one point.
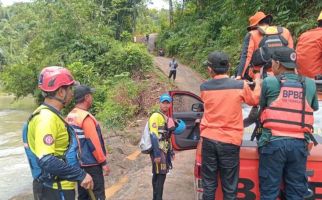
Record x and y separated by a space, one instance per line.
52 78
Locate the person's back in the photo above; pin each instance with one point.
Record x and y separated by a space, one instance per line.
223 98
287 121
260 27
309 51
221 126
271 91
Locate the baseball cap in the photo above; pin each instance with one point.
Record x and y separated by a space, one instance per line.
81 90
165 97
217 60
286 56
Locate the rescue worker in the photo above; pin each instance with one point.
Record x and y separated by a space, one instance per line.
49 143
173 69
287 103
221 126
91 143
260 26
160 127
309 52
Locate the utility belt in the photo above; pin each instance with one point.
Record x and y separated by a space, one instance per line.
259 129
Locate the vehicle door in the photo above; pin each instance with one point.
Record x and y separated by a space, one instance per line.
189 108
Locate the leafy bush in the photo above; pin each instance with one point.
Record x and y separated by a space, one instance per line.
206 26
122 102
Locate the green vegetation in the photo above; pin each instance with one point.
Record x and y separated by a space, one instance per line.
202 26
90 37
93 39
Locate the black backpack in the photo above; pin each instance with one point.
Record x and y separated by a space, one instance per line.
272 39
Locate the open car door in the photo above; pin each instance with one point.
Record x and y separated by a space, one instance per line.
189 108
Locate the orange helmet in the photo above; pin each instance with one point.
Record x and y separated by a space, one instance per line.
52 78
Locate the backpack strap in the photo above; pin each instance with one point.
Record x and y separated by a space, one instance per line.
279 30
301 79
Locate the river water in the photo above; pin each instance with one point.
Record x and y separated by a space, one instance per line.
15 176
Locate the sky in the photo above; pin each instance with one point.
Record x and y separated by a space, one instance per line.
10 2
157 4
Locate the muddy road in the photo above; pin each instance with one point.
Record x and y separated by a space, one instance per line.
131 174
135 184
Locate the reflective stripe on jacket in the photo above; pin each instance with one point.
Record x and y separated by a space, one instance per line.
223 98
91 143
290 114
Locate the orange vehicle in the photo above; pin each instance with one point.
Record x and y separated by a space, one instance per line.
189 107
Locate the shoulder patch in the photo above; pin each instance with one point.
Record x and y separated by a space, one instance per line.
154 125
48 139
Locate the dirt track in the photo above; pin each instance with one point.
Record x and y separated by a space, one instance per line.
131 175
179 185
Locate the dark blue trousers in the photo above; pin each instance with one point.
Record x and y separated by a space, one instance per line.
283 161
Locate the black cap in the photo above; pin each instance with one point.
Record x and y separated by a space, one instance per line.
80 91
286 56
217 60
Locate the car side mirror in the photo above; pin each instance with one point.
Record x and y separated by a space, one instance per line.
197 107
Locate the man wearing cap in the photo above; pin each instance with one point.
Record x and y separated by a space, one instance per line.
309 51
91 143
160 127
260 26
221 126
287 103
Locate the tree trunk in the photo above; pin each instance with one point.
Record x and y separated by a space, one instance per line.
171 13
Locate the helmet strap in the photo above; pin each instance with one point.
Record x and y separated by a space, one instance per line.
62 101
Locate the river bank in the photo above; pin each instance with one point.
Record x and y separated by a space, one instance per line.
14 169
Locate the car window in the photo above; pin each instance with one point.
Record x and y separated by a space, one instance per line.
183 103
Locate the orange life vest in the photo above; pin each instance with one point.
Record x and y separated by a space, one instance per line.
75 118
290 114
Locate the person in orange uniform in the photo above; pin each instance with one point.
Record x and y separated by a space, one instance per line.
309 52
91 143
260 26
221 126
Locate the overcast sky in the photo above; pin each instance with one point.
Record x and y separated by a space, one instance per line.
10 2
158 4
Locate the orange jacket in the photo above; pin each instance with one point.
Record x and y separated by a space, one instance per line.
309 53
223 97
251 43
91 142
